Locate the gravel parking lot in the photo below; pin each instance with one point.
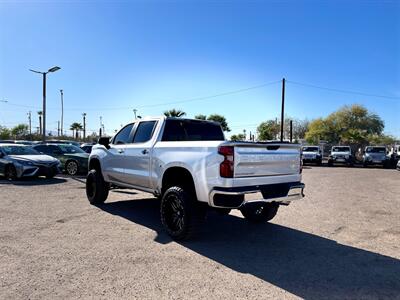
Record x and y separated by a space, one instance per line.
341 241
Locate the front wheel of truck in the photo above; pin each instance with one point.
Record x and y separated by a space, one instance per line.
96 188
181 214
260 213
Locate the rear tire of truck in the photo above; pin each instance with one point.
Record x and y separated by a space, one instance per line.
181 214
96 188
260 213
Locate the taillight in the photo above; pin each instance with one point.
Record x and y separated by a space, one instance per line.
226 168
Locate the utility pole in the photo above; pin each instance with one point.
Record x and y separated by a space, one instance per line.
291 130
30 123
62 111
283 108
84 125
58 128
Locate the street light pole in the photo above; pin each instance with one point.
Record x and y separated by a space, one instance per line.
44 108
62 111
84 126
51 70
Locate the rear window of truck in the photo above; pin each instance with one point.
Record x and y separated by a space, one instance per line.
192 130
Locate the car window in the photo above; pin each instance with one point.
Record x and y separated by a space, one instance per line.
122 137
19 150
340 149
192 130
144 131
70 149
42 148
310 149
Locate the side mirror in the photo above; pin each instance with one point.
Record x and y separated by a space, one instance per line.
105 141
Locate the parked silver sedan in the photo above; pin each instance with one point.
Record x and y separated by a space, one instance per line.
17 161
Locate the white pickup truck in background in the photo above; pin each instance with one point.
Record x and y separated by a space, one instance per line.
191 168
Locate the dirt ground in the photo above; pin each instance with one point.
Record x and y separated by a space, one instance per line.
341 241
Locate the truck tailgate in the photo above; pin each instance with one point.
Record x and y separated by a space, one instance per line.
266 159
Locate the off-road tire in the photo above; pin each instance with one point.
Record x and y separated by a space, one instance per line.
181 214
96 188
260 213
330 163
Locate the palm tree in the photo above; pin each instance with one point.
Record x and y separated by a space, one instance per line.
40 113
76 127
174 113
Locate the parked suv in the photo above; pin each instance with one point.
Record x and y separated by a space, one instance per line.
375 155
311 154
191 168
342 155
394 154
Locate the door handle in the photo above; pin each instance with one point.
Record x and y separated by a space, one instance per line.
145 151
120 150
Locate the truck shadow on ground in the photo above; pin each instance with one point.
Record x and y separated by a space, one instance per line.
307 265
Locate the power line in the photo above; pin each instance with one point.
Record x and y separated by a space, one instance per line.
166 103
214 96
341 91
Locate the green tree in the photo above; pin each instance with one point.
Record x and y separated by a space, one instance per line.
268 130
350 125
200 117
20 130
238 137
382 139
5 133
221 120
76 127
174 113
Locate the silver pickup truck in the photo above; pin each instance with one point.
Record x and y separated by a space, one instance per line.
190 166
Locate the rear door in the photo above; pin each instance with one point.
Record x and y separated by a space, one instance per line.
114 163
137 153
252 160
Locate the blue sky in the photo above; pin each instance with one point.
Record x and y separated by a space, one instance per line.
117 56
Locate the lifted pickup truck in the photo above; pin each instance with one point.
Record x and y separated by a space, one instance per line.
191 168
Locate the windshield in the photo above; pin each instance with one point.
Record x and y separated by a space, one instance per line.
341 149
310 149
375 150
70 149
18 150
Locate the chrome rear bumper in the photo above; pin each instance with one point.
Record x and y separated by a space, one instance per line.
295 192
